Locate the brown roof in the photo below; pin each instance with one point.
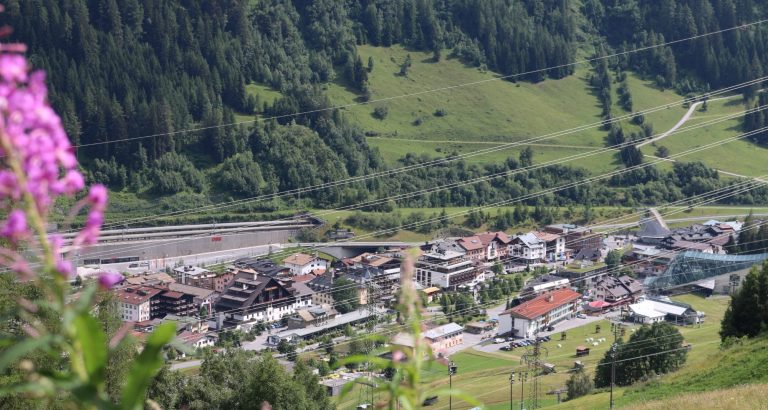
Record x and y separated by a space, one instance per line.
683 244
161 277
471 243
304 278
191 290
543 304
546 236
487 237
136 295
299 259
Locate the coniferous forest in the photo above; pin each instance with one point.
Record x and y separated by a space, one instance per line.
140 74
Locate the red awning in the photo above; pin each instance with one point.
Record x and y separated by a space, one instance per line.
599 304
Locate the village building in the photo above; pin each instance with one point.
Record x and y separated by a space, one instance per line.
444 337
496 245
473 248
653 310
618 290
263 267
254 298
197 340
545 283
554 245
302 264
137 304
311 316
200 296
432 293
527 249
149 279
528 318
576 237
322 286
445 269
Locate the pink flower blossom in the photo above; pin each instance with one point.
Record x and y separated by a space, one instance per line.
97 196
109 279
34 141
64 267
15 228
13 67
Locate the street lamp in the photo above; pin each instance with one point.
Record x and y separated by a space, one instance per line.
511 388
451 371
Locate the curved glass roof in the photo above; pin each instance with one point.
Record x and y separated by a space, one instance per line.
692 266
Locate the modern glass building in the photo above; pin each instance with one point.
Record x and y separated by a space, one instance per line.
693 266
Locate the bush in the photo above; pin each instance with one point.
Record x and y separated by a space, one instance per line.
579 384
440 112
380 112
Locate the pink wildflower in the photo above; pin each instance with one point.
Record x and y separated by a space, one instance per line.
15 228
64 267
13 67
32 135
109 279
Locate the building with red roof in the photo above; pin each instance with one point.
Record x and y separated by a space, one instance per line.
528 318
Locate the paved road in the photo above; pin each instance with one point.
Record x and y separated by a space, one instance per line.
207 258
687 219
560 327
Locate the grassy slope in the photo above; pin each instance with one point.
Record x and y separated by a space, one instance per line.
492 111
741 157
750 396
486 374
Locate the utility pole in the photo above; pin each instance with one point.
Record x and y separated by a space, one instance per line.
511 388
616 329
451 371
613 370
533 359
523 378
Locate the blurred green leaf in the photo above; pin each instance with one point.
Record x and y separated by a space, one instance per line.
21 348
93 342
146 367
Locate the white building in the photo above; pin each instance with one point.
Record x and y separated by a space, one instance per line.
528 318
254 298
554 245
528 248
188 274
445 269
653 310
302 264
136 303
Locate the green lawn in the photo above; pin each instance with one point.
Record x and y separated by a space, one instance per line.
740 157
485 375
489 112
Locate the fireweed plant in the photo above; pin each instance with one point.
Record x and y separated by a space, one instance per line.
399 384
38 166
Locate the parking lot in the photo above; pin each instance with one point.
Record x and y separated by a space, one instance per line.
565 325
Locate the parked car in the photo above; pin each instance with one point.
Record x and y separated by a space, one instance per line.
550 328
581 316
506 348
498 340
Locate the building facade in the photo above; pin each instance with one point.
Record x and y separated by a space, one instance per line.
528 318
302 264
446 269
252 298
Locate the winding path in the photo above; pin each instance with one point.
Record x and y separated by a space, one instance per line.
686 117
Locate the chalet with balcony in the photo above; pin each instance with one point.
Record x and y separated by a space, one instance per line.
253 298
